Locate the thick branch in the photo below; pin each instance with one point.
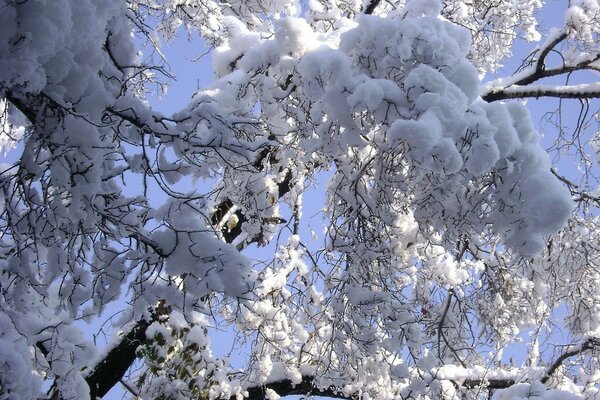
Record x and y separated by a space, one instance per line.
589 344
285 387
518 86
114 365
488 383
585 91
565 69
23 107
371 7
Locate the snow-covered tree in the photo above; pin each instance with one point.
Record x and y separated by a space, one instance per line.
453 257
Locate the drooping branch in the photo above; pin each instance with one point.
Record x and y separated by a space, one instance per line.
112 368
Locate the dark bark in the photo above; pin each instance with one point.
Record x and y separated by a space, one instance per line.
306 388
488 383
588 344
520 89
371 7
287 388
517 92
117 361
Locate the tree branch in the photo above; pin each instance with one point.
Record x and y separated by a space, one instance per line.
112 368
518 86
117 361
584 91
371 7
565 69
540 63
579 195
285 387
488 383
588 344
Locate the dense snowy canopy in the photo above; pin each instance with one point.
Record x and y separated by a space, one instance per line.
451 257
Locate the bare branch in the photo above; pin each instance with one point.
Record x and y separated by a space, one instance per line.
581 195
540 64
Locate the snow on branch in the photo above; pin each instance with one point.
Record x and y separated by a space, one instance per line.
286 387
468 378
433 248
591 343
115 363
536 67
583 91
